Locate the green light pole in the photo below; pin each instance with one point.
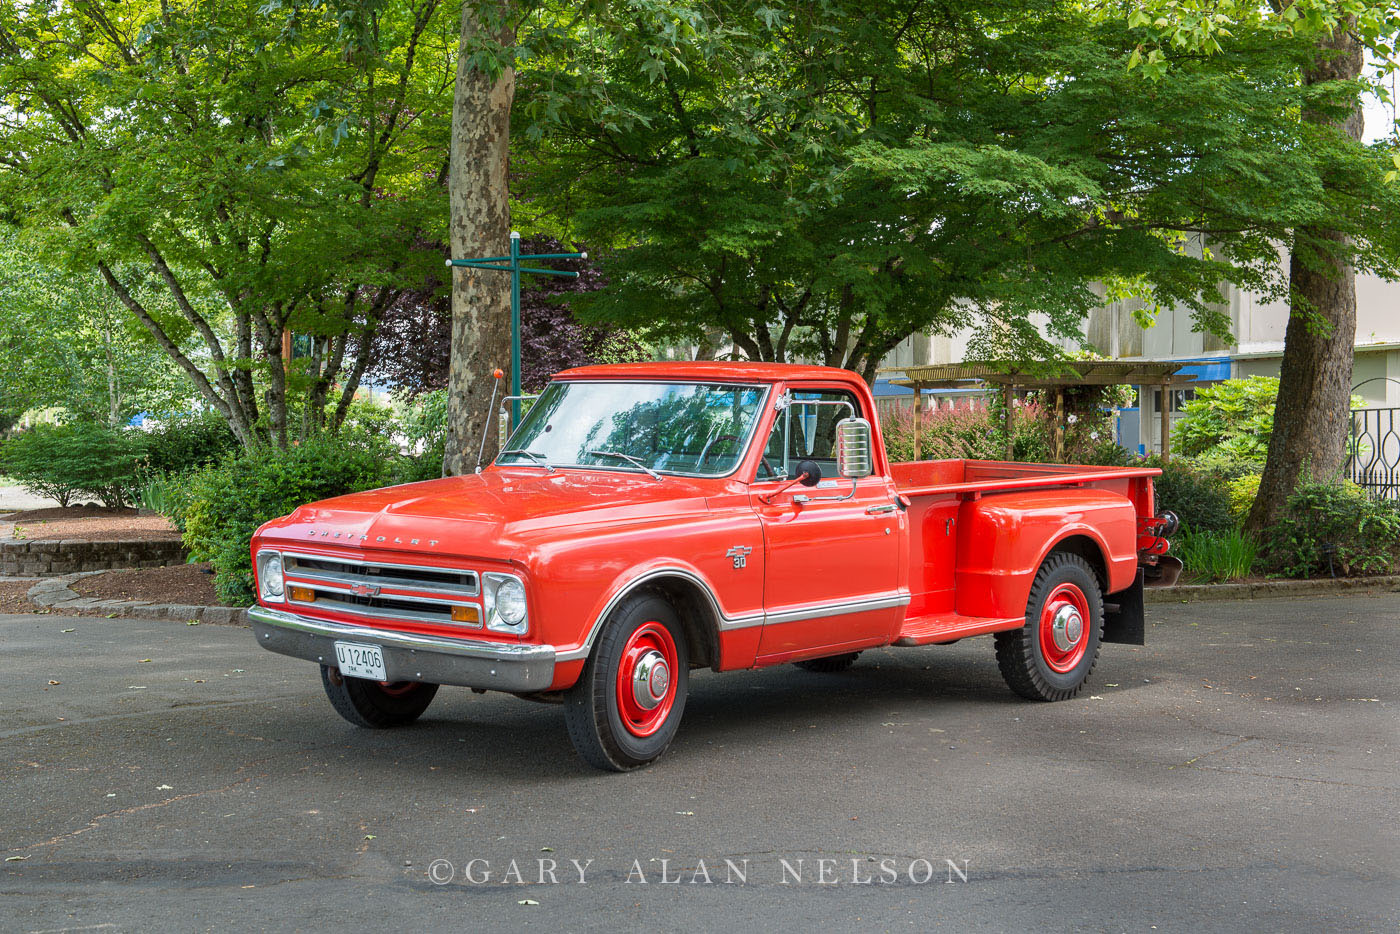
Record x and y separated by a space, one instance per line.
511 264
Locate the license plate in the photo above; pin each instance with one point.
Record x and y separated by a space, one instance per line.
358 660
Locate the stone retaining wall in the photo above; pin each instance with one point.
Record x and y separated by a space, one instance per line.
54 559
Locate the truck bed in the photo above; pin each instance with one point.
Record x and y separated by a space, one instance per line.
953 567
926 478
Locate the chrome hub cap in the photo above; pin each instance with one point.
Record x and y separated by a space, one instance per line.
1067 628
650 679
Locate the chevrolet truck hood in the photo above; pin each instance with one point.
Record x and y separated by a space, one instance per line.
473 515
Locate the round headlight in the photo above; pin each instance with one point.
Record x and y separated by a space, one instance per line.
510 602
272 583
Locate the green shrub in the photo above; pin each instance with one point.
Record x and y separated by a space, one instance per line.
1199 498
184 442
1333 527
160 494
1242 492
423 422
1211 557
222 505
367 419
1230 421
73 461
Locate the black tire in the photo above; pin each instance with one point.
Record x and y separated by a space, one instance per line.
373 705
593 710
829 665
1021 653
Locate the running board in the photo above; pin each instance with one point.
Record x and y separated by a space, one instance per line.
950 627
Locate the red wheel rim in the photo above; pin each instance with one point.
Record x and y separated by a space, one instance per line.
1064 628
646 679
397 688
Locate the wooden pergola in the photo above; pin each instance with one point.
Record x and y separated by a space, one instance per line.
1012 378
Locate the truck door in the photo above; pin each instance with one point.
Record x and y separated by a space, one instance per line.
832 555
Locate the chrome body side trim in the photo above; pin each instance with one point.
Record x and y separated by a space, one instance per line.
726 622
870 603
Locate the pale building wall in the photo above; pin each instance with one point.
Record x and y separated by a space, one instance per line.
1258 326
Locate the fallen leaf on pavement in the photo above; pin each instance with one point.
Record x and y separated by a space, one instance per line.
15 859
143 661
55 682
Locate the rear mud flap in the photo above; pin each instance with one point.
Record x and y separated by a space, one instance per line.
1124 619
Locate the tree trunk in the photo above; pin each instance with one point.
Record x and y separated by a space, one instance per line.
478 192
1314 394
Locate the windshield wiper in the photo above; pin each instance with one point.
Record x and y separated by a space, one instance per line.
626 457
537 458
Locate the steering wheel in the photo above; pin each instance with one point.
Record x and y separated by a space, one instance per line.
705 451
711 443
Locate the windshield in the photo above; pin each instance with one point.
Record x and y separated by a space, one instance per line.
697 429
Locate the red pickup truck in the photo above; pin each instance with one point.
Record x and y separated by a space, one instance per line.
645 520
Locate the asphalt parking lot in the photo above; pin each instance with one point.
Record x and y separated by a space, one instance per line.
1237 773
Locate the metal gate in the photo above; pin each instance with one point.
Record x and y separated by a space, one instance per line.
1373 452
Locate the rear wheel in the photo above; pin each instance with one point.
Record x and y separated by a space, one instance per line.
831 664
627 705
1051 657
376 704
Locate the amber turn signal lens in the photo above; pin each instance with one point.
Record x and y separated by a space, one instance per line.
466 614
304 594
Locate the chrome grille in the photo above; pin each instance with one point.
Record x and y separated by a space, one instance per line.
348 571
348 585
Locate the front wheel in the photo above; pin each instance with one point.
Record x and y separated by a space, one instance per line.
626 706
376 704
1051 656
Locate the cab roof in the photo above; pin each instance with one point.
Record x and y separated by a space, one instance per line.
710 370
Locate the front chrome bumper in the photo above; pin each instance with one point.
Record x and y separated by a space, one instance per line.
409 656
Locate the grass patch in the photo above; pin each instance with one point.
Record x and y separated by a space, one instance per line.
1213 557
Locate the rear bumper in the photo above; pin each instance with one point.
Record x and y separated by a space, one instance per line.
409 656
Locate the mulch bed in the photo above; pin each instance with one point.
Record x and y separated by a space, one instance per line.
127 527
190 584
12 597
69 512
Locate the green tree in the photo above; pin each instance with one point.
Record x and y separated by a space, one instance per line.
68 344
822 180
480 223
271 166
1340 227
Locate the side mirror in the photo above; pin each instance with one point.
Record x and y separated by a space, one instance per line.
809 473
853 449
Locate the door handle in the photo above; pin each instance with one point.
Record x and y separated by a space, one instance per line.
878 510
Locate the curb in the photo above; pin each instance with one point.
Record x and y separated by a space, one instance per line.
55 593
1192 593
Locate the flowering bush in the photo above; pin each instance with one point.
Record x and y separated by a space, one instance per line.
975 430
964 431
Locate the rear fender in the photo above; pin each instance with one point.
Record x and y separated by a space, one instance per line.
1004 538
